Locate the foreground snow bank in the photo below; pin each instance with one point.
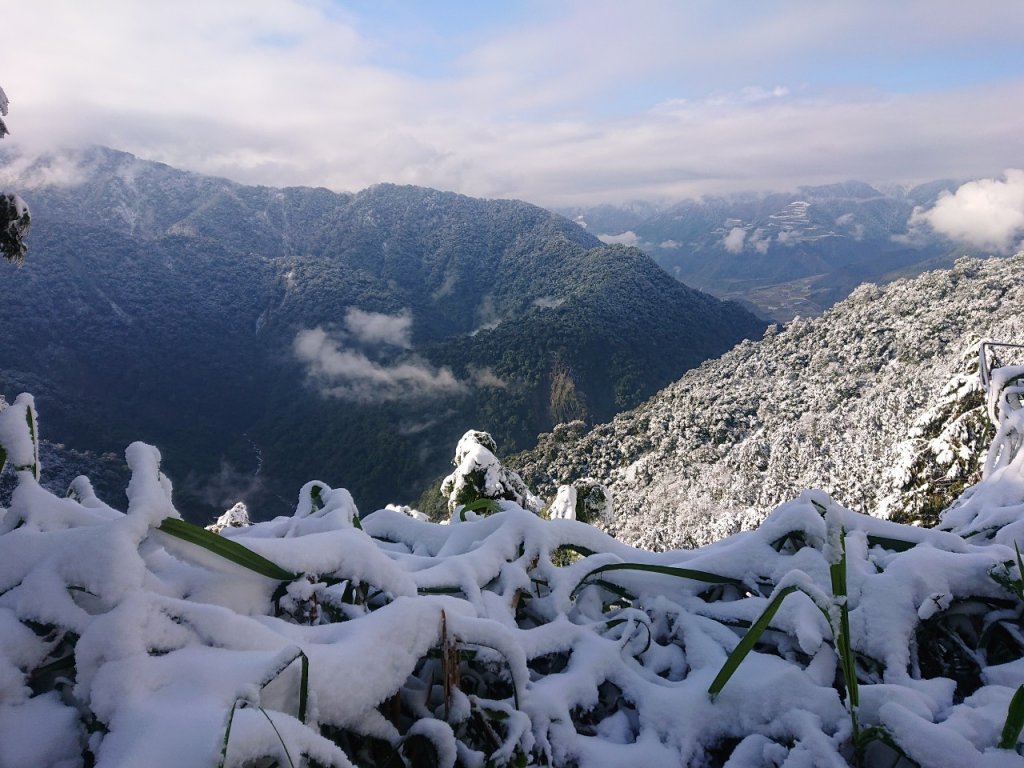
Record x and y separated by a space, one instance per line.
130 638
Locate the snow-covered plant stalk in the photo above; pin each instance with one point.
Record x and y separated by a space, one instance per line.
474 643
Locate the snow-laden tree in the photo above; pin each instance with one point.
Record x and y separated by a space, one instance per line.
479 475
15 218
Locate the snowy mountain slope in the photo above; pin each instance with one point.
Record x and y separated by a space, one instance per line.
855 402
786 253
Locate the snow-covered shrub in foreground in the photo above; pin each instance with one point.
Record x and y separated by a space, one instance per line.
134 639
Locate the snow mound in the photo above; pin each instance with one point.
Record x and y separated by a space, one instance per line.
822 638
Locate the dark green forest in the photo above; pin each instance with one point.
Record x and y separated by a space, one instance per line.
166 306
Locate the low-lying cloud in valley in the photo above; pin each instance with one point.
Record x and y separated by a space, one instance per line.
350 374
733 241
629 237
378 328
988 213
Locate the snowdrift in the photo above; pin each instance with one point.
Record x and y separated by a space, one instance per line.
823 638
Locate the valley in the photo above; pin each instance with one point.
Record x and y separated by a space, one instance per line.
348 336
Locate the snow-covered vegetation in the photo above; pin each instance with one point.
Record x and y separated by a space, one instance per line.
504 637
877 402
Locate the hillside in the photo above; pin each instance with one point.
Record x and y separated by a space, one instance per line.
865 402
270 335
785 253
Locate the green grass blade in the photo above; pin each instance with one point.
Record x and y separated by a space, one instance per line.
304 688
837 571
1014 721
880 734
227 734
489 506
664 570
278 733
747 642
30 418
226 548
615 589
3 458
579 550
887 542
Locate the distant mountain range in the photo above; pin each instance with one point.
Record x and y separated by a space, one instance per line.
877 401
281 335
783 254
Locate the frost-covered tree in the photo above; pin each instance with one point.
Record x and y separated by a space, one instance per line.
479 475
14 215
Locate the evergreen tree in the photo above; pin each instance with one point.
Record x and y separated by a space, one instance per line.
14 215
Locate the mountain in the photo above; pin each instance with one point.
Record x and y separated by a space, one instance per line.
784 254
275 335
876 401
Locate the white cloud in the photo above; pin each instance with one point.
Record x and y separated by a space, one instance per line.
988 213
733 241
29 172
549 302
351 375
376 328
293 92
486 377
760 242
629 237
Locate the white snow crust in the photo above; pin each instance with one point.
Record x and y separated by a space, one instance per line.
509 638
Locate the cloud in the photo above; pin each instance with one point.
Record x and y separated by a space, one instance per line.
286 92
351 375
376 328
486 377
788 238
629 237
760 242
988 213
733 241
549 302
31 172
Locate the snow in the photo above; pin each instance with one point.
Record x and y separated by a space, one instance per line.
483 642
860 402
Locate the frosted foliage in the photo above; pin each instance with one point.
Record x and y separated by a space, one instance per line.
236 517
3 113
134 639
838 402
479 475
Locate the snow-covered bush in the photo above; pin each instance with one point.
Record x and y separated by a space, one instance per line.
822 638
15 219
479 475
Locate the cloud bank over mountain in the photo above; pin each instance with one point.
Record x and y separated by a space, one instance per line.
664 100
987 213
350 374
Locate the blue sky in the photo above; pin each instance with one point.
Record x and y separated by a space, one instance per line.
553 101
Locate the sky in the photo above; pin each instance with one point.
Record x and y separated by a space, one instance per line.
557 102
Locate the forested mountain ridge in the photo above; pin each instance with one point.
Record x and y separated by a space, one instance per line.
876 402
786 253
274 335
